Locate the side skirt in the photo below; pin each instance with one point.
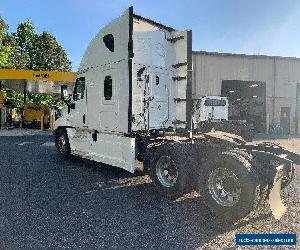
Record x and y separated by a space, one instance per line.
114 150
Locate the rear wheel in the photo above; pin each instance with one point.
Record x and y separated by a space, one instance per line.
62 144
169 170
228 186
247 134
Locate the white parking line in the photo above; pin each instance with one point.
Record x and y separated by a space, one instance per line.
24 143
48 144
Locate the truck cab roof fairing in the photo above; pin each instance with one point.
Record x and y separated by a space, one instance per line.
108 54
157 24
98 54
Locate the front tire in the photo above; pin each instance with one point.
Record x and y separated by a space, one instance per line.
229 187
62 144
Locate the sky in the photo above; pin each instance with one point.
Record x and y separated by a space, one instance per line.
263 27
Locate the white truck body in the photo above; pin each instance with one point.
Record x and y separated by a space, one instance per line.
133 101
214 108
137 76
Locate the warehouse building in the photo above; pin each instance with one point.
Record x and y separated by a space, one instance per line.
264 90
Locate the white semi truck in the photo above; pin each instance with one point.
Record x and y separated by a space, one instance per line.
213 108
211 113
132 102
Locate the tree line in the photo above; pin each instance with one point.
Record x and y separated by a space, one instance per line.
26 49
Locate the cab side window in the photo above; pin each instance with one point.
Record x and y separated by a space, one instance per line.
79 88
109 42
108 88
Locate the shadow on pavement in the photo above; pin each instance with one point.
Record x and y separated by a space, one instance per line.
50 203
134 210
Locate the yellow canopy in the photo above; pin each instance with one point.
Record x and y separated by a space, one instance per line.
52 76
37 81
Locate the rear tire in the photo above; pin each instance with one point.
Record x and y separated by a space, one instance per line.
62 144
247 134
229 187
169 171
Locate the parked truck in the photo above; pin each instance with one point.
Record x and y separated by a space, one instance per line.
132 101
211 113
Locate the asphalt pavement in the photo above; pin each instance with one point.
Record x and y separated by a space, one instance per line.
49 203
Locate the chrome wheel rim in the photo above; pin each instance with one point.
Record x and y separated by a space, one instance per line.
224 187
166 171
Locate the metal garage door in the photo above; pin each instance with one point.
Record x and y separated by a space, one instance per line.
247 101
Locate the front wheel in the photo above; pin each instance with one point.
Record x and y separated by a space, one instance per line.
62 144
229 187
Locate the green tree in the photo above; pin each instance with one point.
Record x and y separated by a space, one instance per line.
3 28
25 38
49 55
39 52
13 98
7 47
25 49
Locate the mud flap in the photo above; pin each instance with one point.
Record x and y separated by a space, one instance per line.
276 205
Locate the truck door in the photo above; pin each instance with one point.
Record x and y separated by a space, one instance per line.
152 63
158 100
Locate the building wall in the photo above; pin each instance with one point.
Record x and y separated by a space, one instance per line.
280 74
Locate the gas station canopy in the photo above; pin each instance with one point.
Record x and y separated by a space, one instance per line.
48 82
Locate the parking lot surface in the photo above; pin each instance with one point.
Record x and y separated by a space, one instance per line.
49 203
